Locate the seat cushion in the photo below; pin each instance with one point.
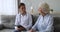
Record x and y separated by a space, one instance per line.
1 26
7 30
8 21
56 24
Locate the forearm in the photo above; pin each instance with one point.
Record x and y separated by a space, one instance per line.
28 27
21 28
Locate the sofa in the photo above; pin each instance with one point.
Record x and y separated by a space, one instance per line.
7 23
56 24
9 20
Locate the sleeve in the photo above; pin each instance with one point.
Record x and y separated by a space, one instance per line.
30 22
16 22
35 25
49 26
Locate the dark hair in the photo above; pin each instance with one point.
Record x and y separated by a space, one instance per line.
21 4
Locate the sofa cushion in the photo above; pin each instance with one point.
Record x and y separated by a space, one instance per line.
56 24
34 19
56 20
7 30
1 26
8 21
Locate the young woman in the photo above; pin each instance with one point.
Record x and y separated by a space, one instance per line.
23 19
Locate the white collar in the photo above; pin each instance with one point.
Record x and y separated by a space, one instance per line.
22 15
45 15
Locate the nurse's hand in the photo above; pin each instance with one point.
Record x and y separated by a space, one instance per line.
21 28
16 28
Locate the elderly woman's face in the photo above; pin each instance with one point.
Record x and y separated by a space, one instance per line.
40 10
44 8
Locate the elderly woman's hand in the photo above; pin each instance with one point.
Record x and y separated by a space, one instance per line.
32 30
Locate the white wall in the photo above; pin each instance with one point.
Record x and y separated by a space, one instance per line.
54 4
8 7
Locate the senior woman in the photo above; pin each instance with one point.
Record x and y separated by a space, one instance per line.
44 22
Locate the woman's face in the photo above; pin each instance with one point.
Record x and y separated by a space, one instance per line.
40 10
22 9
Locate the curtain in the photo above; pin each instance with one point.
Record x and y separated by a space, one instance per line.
8 7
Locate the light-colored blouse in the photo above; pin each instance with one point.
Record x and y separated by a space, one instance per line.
44 24
25 21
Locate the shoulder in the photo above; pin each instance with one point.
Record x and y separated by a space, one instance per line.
39 16
29 14
17 15
50 16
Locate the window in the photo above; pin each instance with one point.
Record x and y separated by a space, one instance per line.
8 7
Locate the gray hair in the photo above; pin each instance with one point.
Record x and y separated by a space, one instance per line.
45 7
